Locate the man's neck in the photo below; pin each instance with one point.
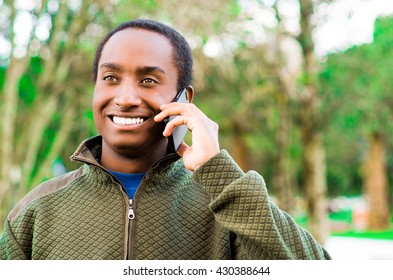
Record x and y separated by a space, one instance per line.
115 161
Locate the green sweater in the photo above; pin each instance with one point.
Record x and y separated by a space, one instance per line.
216 212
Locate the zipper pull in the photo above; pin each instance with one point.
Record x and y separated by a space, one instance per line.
131 213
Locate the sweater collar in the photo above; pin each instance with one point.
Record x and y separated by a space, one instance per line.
89 151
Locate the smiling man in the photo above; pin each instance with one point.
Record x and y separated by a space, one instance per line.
132 83
136 198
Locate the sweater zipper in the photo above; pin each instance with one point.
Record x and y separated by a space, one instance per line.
131 226
131 213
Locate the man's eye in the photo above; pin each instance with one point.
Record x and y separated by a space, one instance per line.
110 79
148 81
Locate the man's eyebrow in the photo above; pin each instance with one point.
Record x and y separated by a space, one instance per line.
142 70
112 66
149 70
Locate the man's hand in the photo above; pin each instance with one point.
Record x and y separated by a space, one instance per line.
204 132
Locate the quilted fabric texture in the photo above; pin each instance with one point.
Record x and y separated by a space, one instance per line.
217 212
74 223
241 204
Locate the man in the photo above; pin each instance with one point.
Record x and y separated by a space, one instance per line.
136 199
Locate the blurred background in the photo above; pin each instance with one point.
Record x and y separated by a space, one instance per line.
301 89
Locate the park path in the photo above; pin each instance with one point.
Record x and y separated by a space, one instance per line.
346 248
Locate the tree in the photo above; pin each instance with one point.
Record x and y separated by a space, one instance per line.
360 79
314 177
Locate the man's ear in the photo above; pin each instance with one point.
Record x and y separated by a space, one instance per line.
190 93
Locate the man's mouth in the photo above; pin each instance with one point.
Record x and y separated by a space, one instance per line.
127 121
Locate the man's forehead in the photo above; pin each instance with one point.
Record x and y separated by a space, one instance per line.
140 36
138 43
138 50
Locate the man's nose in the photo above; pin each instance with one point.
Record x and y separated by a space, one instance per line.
127 96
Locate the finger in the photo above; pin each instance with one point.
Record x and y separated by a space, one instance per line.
160 116
171 105
182 149
170 109
171 125
176 108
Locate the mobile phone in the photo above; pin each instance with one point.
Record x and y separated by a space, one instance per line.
177 136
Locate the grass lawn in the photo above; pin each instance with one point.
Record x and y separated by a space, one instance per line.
386 235
346 217
342 225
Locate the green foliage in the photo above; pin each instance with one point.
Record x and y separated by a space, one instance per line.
2 76
384 235
234 8
27 88
357 86
341 216
132 9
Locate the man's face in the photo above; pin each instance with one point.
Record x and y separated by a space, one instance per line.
135 76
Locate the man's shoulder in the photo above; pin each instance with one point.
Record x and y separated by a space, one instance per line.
44 189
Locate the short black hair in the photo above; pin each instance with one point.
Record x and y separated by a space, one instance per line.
182 56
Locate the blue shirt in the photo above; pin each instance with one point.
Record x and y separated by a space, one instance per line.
129 181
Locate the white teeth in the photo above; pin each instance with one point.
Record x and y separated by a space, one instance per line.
127 121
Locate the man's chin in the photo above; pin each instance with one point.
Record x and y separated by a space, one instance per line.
139 150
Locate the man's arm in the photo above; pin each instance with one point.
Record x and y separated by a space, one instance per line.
239 201
241 204
9 247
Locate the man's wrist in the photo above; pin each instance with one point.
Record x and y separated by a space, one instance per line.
218 172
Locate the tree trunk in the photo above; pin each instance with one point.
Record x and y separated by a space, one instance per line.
314 177
315 185
282 173
241 151
375 183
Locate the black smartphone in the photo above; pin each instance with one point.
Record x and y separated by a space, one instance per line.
177 136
